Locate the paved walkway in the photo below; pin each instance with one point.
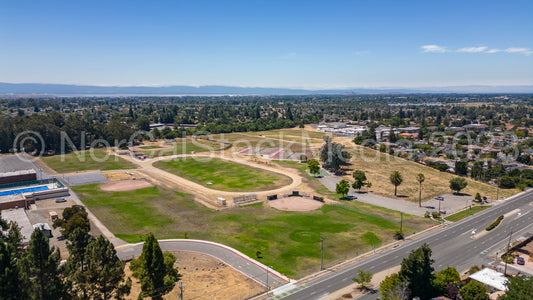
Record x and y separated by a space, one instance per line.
233 258
450 204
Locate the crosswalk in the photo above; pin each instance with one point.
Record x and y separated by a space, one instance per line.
287 293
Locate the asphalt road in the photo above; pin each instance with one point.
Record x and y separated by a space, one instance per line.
229 256
452 246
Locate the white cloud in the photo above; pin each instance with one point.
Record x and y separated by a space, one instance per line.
478 49
473 49
433 48
525 51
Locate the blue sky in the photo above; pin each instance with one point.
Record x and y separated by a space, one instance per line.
299 44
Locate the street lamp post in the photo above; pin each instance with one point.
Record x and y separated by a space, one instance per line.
507 254
321 253
267 280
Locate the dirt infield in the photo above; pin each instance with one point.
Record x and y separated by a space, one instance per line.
295 204
125 185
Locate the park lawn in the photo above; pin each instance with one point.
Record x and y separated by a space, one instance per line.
150 147
185 147
224 175
94 159
241 140
378 166
288 241
465 213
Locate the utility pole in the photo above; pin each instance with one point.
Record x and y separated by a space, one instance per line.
401 222
180 294
321 253
498 189
374 242
507 254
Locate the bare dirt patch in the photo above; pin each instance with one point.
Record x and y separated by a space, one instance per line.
295 204
125 185
204 277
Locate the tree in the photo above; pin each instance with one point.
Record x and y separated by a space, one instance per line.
333 154
396 179
314 167
477 170
393 288
444 278
157 279
11 286
457 184
76 264
105 271
357 185
363 278
461 167
474 291
40 265
478 197
360 179
519 288
342 187
420 178
10 233
73 217
417 271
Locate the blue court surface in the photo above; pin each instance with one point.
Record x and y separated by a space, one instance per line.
26 190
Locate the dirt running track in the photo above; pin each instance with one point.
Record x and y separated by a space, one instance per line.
194 188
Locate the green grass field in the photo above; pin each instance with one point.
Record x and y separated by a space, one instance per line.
94 159
224 175
465 213
150 147
184 147
288 241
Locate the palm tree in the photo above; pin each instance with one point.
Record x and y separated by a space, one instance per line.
420 178
396 179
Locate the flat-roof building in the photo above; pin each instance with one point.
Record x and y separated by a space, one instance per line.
19 216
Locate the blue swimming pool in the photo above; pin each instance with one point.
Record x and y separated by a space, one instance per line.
26 190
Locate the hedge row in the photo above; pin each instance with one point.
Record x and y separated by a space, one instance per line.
495 223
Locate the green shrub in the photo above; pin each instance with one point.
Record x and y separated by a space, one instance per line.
495 223
398 235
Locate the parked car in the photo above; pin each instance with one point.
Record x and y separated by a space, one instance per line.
520 260
61 200
350 197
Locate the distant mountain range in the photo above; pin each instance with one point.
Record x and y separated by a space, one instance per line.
91 90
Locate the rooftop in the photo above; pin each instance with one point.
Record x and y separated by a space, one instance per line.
491 278
19 216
